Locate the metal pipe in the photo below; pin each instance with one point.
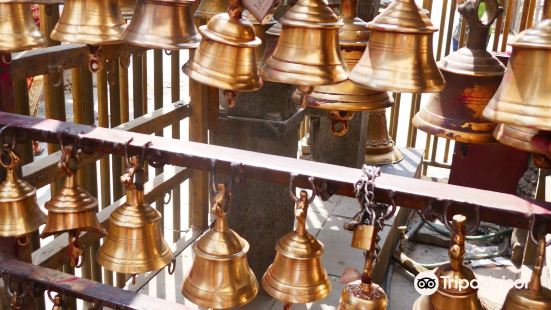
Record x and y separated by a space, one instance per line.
175 96
507 25
137 78
158 103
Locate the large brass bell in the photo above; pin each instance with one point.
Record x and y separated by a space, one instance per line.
473 75
207 9
347 95
72 209
534 297
307 53
178 32
451 294
90 22
220 276
18 31
225 57
19 212
380 149
399 56
297 275
135 242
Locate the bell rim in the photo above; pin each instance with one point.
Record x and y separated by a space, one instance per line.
47 231
368 305
189 68
511 141
135 40
386 158
293 298
454 134
530 121
87 38
268 73
132 267
435 88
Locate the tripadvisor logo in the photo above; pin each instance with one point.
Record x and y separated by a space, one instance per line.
426 283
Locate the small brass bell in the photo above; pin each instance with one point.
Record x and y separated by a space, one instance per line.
297 275
127 8
535 297
220 276
399 56
135 242
524 97
19 211
473 75
451 294
90 22
307 53
225 57
380 148
178 32
72 209
18 31
207 9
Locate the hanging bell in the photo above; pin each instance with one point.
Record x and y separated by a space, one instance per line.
524 97
18 31
135 242
516 136
220 276
261 31
19 211
399 56
347 97
178 32
380 148
451 294
90 22
535 297
307 53
207 9
127 8
297 275
225 57
72 209
473 75
272 36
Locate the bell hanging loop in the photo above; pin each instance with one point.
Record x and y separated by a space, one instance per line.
57 301
339 122
94 59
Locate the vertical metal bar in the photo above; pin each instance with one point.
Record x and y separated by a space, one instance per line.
441 32
103 121
115 120
546 14
158 103
450 28
175 96
21 99
525 12
137 77
497 32
507 25
395 115
446 150
530 19
123 82
426 155
144 81
412 131
198 126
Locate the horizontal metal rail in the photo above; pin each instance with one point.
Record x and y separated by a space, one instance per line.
499 208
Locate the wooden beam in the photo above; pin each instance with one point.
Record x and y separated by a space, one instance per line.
54 253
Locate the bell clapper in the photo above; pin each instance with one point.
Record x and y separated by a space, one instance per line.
74 249
230 96
305 91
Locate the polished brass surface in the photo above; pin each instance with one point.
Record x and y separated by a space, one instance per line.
473 76
19 211
307 53
261 31
353 297
516 136
271 38
363 237
18 31
399 56
380 149
178 32
524 97
127 8
225 57
454 296
220 276
135 242
535 296
207 9
90 22
297 275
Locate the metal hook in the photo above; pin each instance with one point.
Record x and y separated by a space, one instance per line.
446 222
5 58
390 213
24 237
168 52
292 194
213 176
126 157
57 72
171 268
13 143
532 231
167 201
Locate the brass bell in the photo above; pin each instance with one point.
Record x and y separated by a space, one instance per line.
19 211
473 75
127 8
399 55
18 31
524 97
297 275
451 294
272 36
380 148
220 276
307 53
178 32
347 95
225 57
90 22
135 242
261 31
207 9
516 136
72 209
535 296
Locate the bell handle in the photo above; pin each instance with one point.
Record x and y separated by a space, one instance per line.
535 280
457 248
235 9
478 26
292 192
446 221
349 8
